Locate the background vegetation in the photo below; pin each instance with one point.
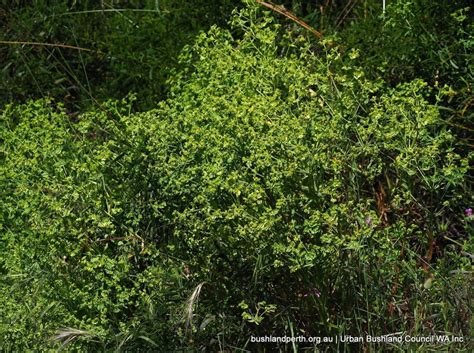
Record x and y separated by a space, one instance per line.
200 172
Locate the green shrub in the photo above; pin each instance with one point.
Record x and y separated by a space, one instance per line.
278 191
426 39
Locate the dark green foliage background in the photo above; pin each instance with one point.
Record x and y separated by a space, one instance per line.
256 180
135 45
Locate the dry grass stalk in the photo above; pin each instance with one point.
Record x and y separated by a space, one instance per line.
281 10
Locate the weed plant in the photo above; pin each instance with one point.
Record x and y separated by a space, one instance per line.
281 189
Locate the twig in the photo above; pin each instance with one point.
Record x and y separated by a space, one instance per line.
45 45
345 12
281 10
107 10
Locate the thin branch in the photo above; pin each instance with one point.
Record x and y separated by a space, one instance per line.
345 12
46 45
108 10
281 10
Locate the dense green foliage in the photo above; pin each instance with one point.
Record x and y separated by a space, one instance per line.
285 186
